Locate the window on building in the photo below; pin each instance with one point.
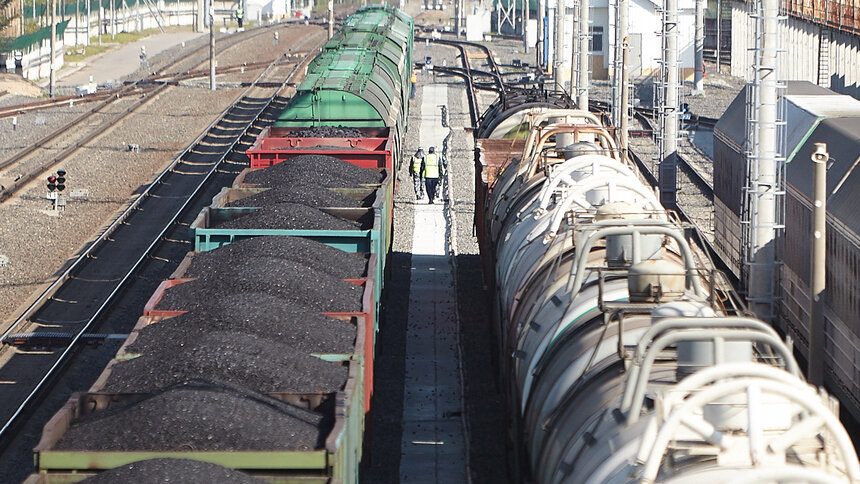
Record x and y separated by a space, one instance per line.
596 39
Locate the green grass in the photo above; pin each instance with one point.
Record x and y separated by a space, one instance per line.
76 54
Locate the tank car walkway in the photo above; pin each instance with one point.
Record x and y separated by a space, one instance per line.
433 447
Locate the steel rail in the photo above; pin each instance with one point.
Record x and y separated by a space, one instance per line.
132 207
102 129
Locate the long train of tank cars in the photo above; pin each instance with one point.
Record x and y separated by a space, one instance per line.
623 361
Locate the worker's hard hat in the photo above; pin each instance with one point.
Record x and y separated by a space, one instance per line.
432 149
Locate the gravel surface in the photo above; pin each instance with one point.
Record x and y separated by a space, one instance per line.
310 195
38 240
292 281
316 255
159 471
288 215
321 170
199 416
236 358
327 132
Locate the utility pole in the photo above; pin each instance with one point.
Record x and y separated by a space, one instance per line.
112 19
212 45
88 23
618 84
766 192
625 93
200 18
457 17
669 106
525 26
584 56
559 43
541 43
815 368
52 80
77 19
101 21
330 19
700 48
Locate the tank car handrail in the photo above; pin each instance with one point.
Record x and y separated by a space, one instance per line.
561 173
791 473
689 414
668 324
542 134
635 228
632 184
717 336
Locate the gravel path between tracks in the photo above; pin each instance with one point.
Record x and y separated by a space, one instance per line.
186 471
720 91
37 240
484 404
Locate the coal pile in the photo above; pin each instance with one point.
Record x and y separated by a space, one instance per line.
289 216
239 359
265 316
316 255
311 195
326 132
159 471
318 170
200 416
296 283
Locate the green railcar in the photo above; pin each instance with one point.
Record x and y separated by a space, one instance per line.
362 78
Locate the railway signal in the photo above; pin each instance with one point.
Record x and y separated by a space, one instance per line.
56 184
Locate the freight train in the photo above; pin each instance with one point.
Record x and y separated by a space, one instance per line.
255 358
623 357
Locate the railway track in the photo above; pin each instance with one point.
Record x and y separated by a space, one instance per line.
42 155
147 237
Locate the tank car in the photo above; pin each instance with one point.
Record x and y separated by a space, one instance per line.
623 356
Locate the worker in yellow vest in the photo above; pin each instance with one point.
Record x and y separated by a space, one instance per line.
433 168
240 14
416 167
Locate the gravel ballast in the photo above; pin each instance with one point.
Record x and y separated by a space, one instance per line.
321 170
159 471
199 417
236 358
316 255
311 195
294 282
289 215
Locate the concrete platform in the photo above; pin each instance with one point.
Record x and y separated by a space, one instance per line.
433 444
120 61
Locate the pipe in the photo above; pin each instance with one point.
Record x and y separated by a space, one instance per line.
815 369
625 93
559 42
668 153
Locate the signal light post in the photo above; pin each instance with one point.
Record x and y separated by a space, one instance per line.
56 185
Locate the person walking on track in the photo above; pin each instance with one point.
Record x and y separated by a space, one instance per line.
431 171
240 14
416 166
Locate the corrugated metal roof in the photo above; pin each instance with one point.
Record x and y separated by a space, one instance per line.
813 115
842 136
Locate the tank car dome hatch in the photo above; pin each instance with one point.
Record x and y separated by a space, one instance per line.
581 148
656 281
619 248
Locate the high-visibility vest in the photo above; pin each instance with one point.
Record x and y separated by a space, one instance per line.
431 166
240 12
416 165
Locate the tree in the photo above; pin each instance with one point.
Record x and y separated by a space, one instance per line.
6 17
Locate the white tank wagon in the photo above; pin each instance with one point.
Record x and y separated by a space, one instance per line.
624 360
